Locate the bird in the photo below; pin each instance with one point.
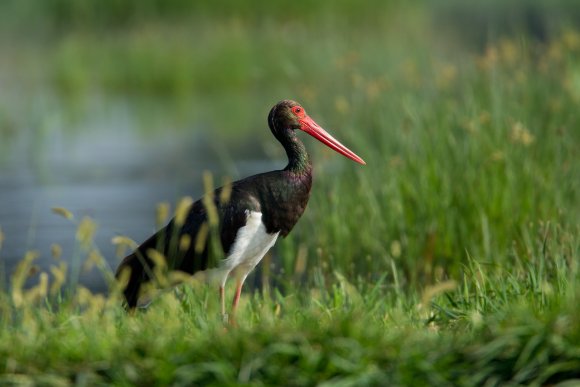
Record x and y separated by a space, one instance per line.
251 213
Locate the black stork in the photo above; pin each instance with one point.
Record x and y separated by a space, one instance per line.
259 210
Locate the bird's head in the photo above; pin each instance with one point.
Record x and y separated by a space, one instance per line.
287 116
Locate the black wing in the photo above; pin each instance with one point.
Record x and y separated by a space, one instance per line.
193 246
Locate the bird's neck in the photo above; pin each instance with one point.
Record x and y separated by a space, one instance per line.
298 159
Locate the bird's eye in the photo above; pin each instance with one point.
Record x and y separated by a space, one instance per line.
298 110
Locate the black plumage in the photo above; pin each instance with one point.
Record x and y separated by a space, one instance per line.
280 196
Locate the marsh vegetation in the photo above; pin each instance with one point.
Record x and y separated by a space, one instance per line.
451 259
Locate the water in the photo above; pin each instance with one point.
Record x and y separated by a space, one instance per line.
104 166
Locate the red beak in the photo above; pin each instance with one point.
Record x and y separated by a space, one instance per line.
313 129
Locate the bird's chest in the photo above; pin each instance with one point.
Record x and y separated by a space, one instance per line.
285 207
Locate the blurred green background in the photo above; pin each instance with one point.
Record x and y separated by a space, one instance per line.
451 258
464 111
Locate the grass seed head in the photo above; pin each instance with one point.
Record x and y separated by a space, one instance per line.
86 232
59 277
123 243
56 251
63 212
182 210
226 191
162 214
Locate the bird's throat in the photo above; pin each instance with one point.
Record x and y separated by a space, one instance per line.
298 159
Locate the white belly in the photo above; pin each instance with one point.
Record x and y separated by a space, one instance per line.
251 244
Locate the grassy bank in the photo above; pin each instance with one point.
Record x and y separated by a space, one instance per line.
518 327
450 259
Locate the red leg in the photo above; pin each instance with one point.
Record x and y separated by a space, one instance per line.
239 284
223 301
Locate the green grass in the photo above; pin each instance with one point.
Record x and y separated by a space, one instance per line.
450 259
509 327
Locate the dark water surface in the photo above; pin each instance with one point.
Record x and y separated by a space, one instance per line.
106 169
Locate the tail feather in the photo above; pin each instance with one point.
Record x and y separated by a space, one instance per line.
136 274
167 242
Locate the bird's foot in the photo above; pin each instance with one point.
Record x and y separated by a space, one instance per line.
229 320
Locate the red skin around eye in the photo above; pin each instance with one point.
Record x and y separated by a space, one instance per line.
298 111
